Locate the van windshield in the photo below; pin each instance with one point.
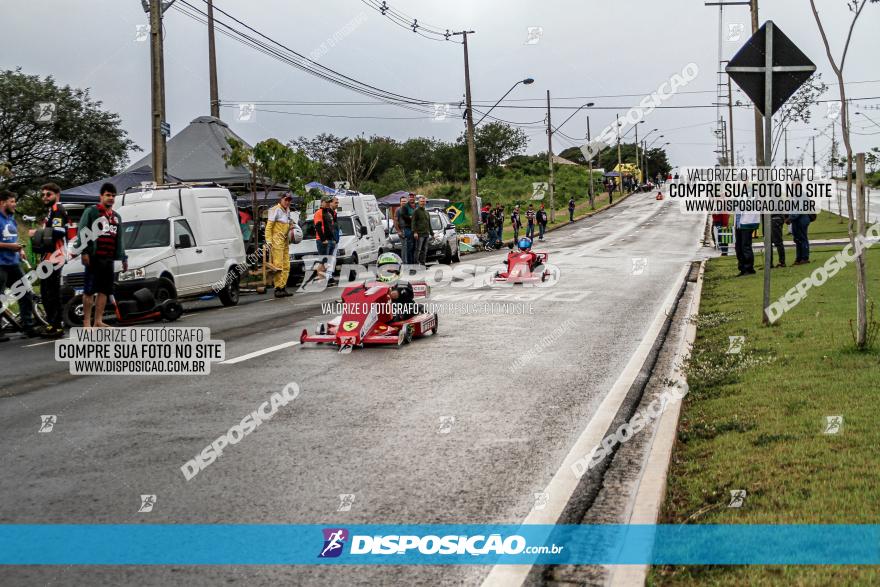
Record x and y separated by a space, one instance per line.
146 234
345 227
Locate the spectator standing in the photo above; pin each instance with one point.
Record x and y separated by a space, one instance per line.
422 231
571 209
100 255
334 205
542 222
721 221
11 255
325 227
404 219
515 223
499 222
491 227
745 225
800 224
55 252
776 223
278 224
530 221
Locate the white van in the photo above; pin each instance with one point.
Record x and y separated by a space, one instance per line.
182 241
363 233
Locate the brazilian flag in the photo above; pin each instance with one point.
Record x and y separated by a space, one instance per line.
457 212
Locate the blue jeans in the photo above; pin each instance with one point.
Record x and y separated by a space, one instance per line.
326 249
408 247
799 226
530 230
541 228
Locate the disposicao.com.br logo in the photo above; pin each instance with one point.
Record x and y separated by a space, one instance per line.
393 544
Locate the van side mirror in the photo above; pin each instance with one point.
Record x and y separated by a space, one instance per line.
363 231
184 242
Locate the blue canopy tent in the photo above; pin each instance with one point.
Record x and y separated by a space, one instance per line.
322 188
88 193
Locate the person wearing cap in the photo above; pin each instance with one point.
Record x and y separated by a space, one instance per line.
278 225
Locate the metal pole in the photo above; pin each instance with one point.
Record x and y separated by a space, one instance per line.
472 152
730 121
592 197
768 149
645 157
212 63
759 139
157 76
637 146
619 161
550 160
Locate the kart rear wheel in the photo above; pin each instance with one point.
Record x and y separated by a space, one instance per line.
436 325
407 338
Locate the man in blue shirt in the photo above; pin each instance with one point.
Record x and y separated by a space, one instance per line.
11 254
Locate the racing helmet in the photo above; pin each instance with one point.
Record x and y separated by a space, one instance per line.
388 267
524 244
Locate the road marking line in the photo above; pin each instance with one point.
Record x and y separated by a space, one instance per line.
27 346
260 352
564 483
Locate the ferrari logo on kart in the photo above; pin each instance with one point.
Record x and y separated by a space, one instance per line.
350 325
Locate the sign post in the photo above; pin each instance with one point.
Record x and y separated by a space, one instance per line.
769 68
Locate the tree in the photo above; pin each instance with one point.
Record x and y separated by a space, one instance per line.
798 108
355 164
52 133
270 164
497 141
855 7
326 151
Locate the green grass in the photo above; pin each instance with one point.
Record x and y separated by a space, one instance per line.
755 420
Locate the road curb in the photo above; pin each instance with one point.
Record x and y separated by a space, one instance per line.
652 483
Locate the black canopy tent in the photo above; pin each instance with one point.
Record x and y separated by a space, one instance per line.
88 193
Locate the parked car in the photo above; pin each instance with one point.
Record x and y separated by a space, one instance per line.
181 241
442 247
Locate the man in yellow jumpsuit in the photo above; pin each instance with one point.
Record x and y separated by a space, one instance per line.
278 227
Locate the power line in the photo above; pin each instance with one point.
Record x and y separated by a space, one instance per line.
268 46
405 21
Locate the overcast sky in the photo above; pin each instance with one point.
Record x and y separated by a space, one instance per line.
588 48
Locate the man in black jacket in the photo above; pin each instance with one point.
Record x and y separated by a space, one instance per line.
57 221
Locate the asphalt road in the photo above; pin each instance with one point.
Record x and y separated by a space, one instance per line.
374 423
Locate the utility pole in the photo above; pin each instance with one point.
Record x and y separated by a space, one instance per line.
212 63
550 160
730 121
157 79
592 198
637 148
759 133
619 163
472 152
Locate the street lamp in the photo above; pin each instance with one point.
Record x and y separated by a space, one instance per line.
869 118
550 131
526 82
579 108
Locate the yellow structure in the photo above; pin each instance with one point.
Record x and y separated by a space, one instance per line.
629 169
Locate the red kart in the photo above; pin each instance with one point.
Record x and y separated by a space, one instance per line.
522 266
367 319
